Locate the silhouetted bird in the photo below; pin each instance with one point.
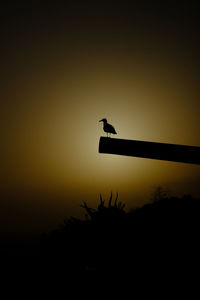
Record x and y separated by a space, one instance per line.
108 128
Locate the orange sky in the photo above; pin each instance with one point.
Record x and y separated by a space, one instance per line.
60 79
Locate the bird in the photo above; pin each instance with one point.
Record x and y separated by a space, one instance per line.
108 128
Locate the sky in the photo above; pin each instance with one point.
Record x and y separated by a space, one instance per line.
65 66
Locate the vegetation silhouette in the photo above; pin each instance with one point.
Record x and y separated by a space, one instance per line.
160 235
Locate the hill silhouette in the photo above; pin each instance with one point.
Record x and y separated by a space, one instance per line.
162 235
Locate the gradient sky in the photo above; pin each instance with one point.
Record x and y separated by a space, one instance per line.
65 67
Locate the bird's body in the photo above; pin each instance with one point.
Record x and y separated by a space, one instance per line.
108 128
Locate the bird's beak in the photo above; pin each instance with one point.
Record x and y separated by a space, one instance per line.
101 120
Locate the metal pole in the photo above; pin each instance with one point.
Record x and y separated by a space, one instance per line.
160 151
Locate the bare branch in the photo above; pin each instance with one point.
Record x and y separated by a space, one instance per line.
116 200
110 200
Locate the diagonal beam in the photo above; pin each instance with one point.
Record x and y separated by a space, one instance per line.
160 151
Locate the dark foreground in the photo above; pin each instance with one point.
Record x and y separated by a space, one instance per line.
159 237
163 235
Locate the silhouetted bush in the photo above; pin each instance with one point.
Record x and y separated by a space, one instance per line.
162 234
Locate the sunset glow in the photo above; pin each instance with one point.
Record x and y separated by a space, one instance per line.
60 78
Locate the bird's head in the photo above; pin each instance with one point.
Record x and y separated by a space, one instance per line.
103 120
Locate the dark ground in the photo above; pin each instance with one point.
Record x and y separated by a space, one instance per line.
162 236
